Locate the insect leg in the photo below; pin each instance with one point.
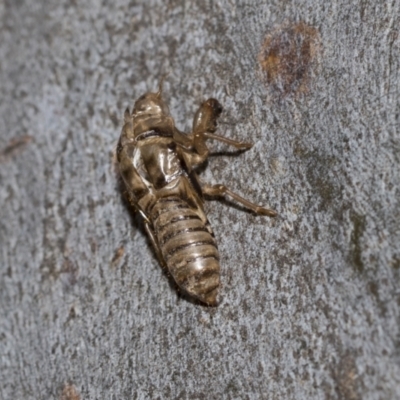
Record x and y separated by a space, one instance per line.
221 190
155 244
204 126
231 142
194 146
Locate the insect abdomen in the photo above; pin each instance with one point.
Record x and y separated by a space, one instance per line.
188 248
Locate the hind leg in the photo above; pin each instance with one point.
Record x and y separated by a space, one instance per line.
221 190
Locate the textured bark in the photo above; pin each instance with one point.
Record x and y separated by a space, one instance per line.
310 300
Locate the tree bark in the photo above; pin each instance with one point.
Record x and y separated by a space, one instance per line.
309 300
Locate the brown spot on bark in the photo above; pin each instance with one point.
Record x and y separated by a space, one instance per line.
14 147
288 57
70 393
347 379
117 256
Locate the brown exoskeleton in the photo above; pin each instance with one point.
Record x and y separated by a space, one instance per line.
158 165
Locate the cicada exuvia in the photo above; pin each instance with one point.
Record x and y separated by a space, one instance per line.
158 165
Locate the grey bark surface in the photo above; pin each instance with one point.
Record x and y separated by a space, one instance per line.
309 301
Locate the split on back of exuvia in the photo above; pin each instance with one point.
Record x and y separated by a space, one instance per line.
158 164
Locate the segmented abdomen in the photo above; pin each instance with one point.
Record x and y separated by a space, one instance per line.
188 247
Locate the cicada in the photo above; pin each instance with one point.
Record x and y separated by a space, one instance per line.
158 164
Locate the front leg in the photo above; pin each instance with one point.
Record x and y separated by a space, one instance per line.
204 125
